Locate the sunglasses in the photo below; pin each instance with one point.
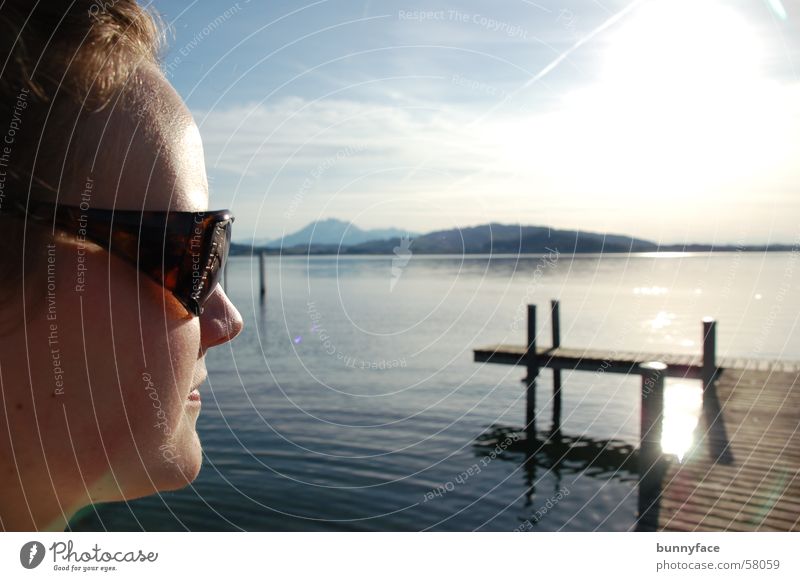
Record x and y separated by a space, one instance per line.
185 252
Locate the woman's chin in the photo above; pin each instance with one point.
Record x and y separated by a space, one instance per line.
182 462
173 466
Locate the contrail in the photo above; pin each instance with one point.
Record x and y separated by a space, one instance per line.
545 71
560 58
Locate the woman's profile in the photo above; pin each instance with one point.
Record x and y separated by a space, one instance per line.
110 296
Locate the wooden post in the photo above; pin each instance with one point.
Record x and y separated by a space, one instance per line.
556 325
530 380
650 463
709 351
261 278
532 331
652 410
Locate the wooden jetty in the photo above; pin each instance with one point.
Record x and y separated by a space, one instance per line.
743 471
743 474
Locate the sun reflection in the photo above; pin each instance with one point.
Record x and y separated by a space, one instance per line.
683 402
661 320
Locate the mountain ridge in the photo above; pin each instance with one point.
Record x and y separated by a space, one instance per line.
334 231
491 238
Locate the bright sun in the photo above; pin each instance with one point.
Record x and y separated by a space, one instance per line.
682 106
672 43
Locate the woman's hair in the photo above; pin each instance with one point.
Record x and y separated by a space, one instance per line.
60 61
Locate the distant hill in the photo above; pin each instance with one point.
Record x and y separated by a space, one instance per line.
335 232
513 239
484 239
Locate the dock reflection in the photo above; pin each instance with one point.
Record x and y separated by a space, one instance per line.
558 455
554 454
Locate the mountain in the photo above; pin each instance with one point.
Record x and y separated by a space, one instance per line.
504 238
335 232
484 239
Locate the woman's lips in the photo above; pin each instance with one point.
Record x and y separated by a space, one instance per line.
194 395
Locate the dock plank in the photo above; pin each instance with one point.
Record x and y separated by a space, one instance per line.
678 365
681 364
743 474
760 488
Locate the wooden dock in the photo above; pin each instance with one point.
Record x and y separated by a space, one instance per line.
743 472
686 366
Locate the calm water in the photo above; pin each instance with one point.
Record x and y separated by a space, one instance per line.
351 402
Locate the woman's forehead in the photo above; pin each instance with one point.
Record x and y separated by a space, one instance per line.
147 150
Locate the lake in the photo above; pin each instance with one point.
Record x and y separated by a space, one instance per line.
351 401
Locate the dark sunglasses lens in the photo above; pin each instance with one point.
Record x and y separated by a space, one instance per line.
214 261
219 254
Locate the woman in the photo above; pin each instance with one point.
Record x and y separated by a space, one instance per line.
110 297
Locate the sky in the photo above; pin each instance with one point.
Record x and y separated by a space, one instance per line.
670 120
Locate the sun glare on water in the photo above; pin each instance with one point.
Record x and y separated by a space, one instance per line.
683 402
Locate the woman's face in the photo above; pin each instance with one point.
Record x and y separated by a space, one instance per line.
104 367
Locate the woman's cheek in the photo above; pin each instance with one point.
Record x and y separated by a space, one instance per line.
142 351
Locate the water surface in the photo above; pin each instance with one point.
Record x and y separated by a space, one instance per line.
351 401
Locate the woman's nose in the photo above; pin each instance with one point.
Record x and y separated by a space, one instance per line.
220 321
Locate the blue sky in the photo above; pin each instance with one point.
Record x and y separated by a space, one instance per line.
671 120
